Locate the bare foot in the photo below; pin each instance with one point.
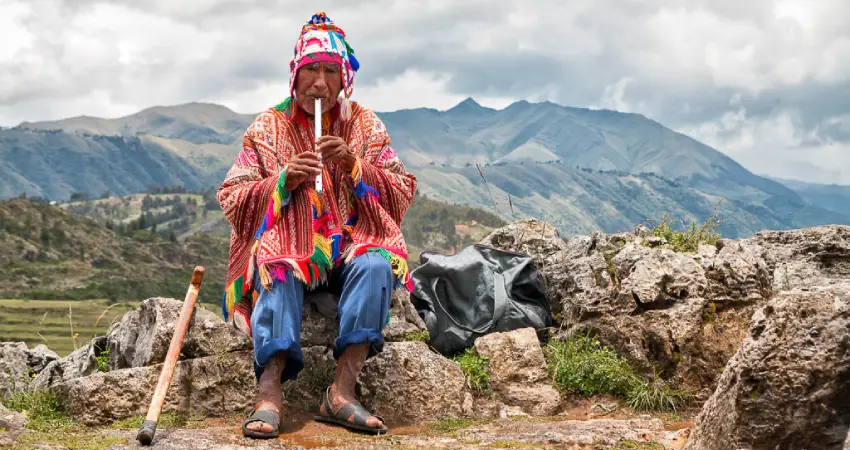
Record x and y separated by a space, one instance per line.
337 401
342 389
268 393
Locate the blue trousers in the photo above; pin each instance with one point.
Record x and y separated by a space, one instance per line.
365 289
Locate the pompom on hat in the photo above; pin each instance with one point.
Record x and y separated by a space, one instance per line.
322 40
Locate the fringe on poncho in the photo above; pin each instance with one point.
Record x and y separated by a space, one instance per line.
308 232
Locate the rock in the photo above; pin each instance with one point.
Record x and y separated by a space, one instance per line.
12 424
807 257
79 363
212 386
737 274
566 434
318 329
656 279
518 372
14 367
142 336
407 383
305 392
789 384
675 439
404 319
40 357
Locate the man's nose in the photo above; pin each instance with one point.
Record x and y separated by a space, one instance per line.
320 83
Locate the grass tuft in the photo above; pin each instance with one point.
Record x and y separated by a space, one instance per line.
656 395
474 367
689 241
582 365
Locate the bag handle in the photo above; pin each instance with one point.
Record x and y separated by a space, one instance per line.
500 301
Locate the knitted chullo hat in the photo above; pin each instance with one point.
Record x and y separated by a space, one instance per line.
322 40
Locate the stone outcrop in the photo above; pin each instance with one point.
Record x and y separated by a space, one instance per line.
517 371
789 384
682 314
212 386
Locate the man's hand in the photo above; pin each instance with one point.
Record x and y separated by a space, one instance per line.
302 167
335 150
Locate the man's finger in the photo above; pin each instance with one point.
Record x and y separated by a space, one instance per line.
306 156
327 138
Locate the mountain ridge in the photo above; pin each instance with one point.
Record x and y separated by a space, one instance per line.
197 142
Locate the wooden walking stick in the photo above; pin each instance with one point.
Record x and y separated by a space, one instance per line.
145 436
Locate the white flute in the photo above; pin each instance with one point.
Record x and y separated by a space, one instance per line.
317 119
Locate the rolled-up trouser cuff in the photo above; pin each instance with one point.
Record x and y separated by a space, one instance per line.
294 358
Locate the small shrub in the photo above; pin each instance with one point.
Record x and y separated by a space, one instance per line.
102 359
688 241
474 368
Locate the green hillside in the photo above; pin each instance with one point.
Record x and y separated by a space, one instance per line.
46 253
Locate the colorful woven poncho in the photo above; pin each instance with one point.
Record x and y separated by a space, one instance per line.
311 233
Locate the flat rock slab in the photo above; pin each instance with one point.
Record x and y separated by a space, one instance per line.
565 434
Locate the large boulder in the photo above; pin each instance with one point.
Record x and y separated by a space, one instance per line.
789 384
408 383
517 371
212 386
143 335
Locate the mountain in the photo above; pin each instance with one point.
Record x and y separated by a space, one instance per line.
582 169
834 197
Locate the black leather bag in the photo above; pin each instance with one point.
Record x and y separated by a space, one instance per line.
477 291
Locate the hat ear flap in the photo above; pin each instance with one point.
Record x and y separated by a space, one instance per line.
344 108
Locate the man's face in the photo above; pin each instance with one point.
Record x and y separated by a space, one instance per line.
318 80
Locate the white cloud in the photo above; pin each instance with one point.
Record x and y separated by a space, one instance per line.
763 80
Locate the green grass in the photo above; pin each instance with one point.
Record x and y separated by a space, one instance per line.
656 395
420 336
450 424
689 240
582 365
46 321
42 408
474 368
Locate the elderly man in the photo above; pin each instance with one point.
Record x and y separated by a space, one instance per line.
290 235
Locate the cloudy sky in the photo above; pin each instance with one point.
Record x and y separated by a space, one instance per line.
766 81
